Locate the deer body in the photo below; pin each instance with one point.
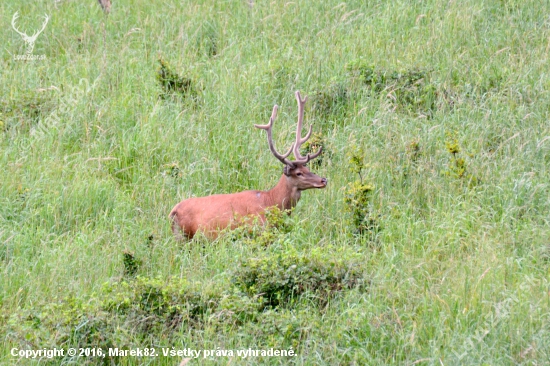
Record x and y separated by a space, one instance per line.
214 213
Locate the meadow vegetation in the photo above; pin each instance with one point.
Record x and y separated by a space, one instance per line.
429 246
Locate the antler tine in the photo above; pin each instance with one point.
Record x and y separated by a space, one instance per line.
309 156
268 128
13 19
46 19
299 140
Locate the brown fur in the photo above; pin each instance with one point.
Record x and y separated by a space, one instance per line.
213 213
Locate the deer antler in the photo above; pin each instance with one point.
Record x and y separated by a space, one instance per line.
299 140
29 40
295 147
46 19
13 19
283 158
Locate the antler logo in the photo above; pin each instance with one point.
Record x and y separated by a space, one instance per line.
29 40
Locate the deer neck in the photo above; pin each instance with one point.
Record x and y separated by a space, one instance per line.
284 195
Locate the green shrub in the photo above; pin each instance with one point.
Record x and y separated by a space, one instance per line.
315 142
173 84
135 312
159 303
131 263
357 196
357 200
410 90
172 170
256 234
282 328
237 309
279 278
458 166
69 322
129 313
332 100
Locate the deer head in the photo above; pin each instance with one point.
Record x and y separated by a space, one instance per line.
291 165
29 40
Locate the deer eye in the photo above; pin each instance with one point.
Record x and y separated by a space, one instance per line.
299 174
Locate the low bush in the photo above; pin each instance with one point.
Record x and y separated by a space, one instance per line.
256 234
135 311
358 196
333 100
129 313
282 277
458 165
173 84
410 90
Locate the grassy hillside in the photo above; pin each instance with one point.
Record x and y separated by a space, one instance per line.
436 253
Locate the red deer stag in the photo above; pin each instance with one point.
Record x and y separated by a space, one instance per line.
211 214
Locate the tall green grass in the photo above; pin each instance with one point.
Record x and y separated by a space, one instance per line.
92 159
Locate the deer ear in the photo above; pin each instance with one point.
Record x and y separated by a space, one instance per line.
286 170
